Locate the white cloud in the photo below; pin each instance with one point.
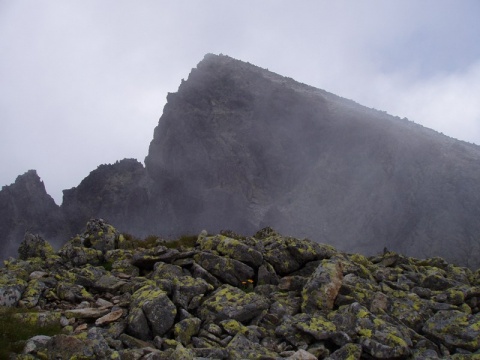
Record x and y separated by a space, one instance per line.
446 102
84 82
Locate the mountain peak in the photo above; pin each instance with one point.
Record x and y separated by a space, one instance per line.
239 147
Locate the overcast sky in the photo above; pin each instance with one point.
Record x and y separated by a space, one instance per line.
83 83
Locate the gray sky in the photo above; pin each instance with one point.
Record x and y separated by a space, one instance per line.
83 83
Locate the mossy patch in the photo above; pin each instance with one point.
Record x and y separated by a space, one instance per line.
18 325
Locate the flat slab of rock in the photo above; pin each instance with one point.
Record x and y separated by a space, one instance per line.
86 313
109 318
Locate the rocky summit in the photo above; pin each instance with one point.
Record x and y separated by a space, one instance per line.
241 147
108 295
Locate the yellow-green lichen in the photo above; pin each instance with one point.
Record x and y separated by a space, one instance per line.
365 333
233 327
396 340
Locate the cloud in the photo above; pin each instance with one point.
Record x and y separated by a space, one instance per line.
446 102
84 82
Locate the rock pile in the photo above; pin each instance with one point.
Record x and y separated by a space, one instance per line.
232 297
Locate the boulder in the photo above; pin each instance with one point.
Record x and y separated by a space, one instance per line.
228 302
184 330
242 348
78 255
348 351
100 236
146 259
152 313
455 329
228 270
32 293
10 294
233 248
186 288
34 246
322 287
378 337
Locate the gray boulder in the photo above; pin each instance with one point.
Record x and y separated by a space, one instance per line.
152 313
229 302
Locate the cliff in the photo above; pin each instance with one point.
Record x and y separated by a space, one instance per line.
239 147
104 295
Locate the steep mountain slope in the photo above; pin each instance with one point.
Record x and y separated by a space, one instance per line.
241 148
115 191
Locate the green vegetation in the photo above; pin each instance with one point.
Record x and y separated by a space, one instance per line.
15 329
186 241
131 242
107 265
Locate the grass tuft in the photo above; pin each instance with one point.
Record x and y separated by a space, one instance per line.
14 332
186 241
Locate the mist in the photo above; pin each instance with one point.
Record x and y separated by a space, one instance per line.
84 83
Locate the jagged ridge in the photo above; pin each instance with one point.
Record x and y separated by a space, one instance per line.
230 297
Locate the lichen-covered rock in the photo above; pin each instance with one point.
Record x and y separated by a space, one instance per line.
288 330
356 289
232 248
410 309
348 351
163 270
322 287
316 325
67 347
379 338
455 329
35 343
108 282
219 301
34 246
231 271
146 259
436 280
32 293
71 292
11 292
78 255
152 313
242 348
200 272
302 355
278 255
184 330
266 275
100 236
186 288
229 302
90 345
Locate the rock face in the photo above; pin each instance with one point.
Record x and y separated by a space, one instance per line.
116 192
26 207
241 148
334 305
